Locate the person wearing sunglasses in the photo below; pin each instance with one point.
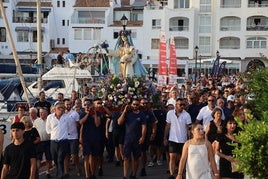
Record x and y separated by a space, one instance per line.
177 124
204 114
135 132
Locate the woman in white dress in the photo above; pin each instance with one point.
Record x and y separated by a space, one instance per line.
198 156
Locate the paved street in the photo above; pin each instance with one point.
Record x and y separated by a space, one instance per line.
110 171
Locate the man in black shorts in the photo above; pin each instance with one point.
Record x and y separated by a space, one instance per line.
135 123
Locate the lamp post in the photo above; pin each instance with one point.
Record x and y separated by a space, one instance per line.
200 64
124 21
196 51
217 53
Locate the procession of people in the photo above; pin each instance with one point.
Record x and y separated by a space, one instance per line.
136 126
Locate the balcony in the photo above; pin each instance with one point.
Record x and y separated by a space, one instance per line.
178 28
230 3
229 43
257 23
257 28
88 20
28 20
230 28
88 17
179 24
258 4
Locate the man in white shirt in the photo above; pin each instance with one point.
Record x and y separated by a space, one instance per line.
73 143
178 121
44 145
57 126
205 112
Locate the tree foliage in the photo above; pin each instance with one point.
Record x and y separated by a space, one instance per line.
253 153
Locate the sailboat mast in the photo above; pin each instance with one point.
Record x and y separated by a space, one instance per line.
15 55
39 42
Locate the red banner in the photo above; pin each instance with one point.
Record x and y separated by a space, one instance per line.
162 66
172 63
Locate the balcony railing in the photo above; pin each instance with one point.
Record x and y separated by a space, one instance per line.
258 5
230 28
28 20
230 5
86 20
179 28
257 28
229 47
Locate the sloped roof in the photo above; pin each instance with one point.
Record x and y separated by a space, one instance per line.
92 3
33 4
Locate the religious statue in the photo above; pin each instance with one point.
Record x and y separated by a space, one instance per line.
125 59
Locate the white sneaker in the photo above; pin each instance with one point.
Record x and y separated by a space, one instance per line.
150 164
159 163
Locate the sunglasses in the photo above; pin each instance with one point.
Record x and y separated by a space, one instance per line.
211 100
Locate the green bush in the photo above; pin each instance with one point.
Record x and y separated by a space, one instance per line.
253 153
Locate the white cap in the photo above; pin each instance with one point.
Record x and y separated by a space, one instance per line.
231 98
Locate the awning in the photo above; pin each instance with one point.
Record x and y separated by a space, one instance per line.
22 29
33 9
35 29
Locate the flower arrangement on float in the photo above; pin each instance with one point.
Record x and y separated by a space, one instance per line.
117 91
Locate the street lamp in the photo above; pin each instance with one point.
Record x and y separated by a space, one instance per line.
196 51
124 21
217 53
200 64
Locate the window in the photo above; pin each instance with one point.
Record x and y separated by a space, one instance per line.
58 40
205 5
58 3
181 3
181 43
2 34
35 36
63 41
155 43
156 24
23 36
256 42
87 34
63 22
116 35
78 34
204 45
63 3
205 24
96 34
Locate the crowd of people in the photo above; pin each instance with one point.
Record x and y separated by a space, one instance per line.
191 127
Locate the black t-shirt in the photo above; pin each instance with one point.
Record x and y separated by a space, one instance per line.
18 158
31 135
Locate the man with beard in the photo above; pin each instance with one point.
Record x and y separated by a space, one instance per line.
135 123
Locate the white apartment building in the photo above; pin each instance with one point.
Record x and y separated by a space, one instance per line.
237 29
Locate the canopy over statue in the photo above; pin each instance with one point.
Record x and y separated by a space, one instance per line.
125 60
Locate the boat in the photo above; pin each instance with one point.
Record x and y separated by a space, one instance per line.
61 80
9 70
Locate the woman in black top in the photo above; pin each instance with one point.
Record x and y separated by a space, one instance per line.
225 147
